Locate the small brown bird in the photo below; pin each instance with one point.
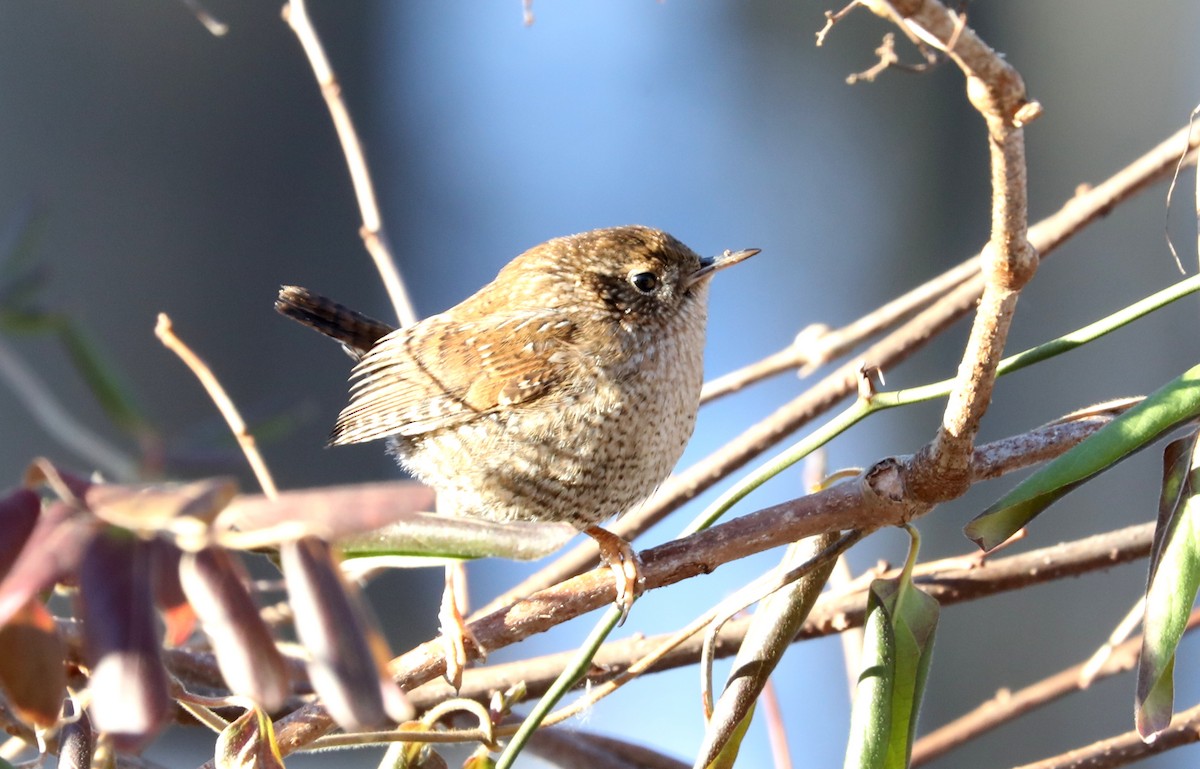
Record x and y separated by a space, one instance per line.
564 390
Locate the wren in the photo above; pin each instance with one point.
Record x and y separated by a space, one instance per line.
564 390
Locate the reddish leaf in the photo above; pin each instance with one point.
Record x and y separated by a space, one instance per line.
177 613
53 551
128 683
31 665
157 507
332 513
333 624
246 653
18 514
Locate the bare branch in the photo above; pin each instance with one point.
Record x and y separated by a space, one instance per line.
1007 705
1088 205
941 470
817 345
949 580
295 13
849 505
1128 747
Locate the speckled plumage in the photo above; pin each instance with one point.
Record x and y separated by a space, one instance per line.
564 390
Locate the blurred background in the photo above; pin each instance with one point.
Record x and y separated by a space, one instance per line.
147 166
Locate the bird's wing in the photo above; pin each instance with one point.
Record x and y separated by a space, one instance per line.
442 372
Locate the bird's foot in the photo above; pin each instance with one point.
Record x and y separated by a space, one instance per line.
455 633
620 557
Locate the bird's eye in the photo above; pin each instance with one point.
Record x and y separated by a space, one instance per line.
644 282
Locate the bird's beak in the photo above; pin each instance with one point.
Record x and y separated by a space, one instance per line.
711 264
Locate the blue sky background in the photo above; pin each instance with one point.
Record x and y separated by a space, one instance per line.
175 171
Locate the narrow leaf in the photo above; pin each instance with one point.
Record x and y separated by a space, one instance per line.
18 514
871 717
178 617
128 682
1167 408
52 551
386 519
109 389
156 507
898 648
775 625
334 625
246 654
248 743
32 656
1172 586
914 621
727 755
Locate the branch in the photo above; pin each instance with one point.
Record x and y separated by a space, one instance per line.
850 505
1087 206
295 13
59 422
817 345
941 470
1128 747
1007 705
949 581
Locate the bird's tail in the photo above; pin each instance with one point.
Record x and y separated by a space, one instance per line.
357 332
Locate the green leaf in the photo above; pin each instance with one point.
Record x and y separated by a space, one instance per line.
385 520
771 632
248 743
914 623
1160 412
1173 582
871 718
109 389
897 650
727 756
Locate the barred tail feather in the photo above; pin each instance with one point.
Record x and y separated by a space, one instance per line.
357 332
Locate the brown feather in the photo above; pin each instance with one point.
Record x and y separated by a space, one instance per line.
437 375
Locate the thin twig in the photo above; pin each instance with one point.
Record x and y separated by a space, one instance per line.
295 13
948 580
166 334
1127 748
1120 633
839 507
781 754
996 90
215 26
817 345
1171 194
1008 705
58 422
1087 206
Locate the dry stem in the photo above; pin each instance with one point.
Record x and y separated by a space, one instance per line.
1088 205
1007 705
295 13
849 505
1128 747
941 469
166 334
